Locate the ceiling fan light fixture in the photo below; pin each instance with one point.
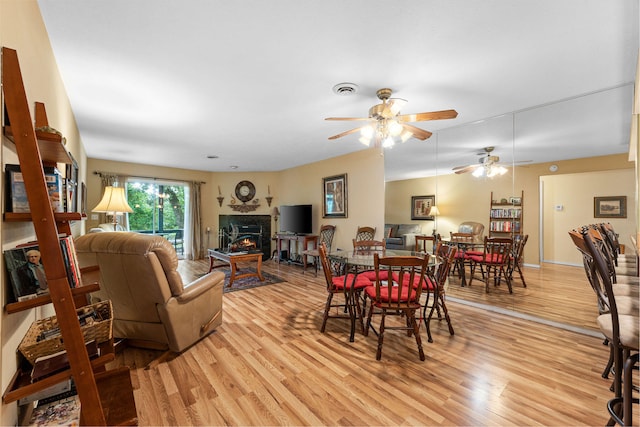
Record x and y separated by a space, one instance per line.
388 142
367 131
395 128
364 140
478 172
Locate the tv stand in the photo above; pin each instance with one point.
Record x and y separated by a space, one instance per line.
296 245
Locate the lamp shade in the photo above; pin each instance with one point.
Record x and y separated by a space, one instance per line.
113 201
434 211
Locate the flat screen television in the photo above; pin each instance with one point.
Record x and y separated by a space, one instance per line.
295 219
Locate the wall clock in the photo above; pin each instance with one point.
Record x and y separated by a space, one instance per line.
245 191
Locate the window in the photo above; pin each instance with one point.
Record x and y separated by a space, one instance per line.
159 208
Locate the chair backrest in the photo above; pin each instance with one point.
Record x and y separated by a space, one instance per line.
326 268
409 271
462 237
474 228
590 271
447 255
427 243
497 250
365 233
368 247
518 248
602 271
326 235
137 272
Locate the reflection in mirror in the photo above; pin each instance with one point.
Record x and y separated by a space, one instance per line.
557 289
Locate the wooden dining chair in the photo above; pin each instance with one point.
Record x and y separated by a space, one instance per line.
515 264
368 247
325 236
494 261
397 297
347 287
446 254
365 233
427 244
622 331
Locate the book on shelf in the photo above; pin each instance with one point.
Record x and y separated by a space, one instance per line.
48 365
56 389
26 271
63 411
16 193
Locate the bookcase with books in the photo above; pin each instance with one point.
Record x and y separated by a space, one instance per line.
106 396
505 216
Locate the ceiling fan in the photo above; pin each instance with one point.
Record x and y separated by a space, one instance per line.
487 165
386 123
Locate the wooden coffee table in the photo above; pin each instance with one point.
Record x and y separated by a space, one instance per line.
232 258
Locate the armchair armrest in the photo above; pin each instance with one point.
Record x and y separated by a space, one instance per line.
200 286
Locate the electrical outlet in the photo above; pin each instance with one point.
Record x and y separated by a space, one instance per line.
94 217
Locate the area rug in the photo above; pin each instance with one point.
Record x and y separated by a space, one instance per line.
248 282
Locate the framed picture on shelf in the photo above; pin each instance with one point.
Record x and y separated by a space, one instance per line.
334 196
83 199
610 207
26 272
72 185
420 207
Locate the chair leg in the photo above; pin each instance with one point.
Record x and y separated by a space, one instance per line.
446 314
411 317
607 369
327 308
627 396
380 336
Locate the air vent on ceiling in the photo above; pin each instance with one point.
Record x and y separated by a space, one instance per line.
345 88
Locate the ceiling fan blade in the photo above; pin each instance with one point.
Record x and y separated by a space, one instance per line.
465 169
421 134
345 133
348 118
433 115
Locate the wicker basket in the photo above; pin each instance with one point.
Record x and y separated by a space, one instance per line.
43 337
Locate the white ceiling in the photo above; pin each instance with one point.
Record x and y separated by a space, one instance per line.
170 82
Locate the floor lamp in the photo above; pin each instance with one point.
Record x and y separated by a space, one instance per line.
113 203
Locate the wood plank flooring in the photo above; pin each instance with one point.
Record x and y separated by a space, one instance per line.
268 364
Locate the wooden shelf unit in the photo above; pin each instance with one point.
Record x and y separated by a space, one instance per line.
106 396
505 218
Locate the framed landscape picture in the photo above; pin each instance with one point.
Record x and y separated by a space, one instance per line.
610 207
334 196
420 207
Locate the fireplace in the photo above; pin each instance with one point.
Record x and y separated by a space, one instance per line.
245 233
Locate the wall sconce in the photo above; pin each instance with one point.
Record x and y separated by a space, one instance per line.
220 197
269 198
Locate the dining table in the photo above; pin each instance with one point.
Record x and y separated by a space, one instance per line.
357 262
463 247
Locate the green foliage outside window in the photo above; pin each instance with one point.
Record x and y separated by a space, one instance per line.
155 207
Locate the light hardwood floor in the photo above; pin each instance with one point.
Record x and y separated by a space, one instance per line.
268 364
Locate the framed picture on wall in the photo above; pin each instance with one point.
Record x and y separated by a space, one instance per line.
334 196
610 207
420 207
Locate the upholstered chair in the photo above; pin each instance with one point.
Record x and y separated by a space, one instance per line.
152 306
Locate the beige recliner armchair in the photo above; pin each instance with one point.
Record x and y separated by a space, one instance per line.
475 228
151 304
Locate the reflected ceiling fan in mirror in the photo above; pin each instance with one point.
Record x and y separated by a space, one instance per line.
386 124
487 165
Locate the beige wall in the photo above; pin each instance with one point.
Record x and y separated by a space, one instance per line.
300 185
22 29
575 193
466 198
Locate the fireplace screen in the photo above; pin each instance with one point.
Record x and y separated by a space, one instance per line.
241 238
